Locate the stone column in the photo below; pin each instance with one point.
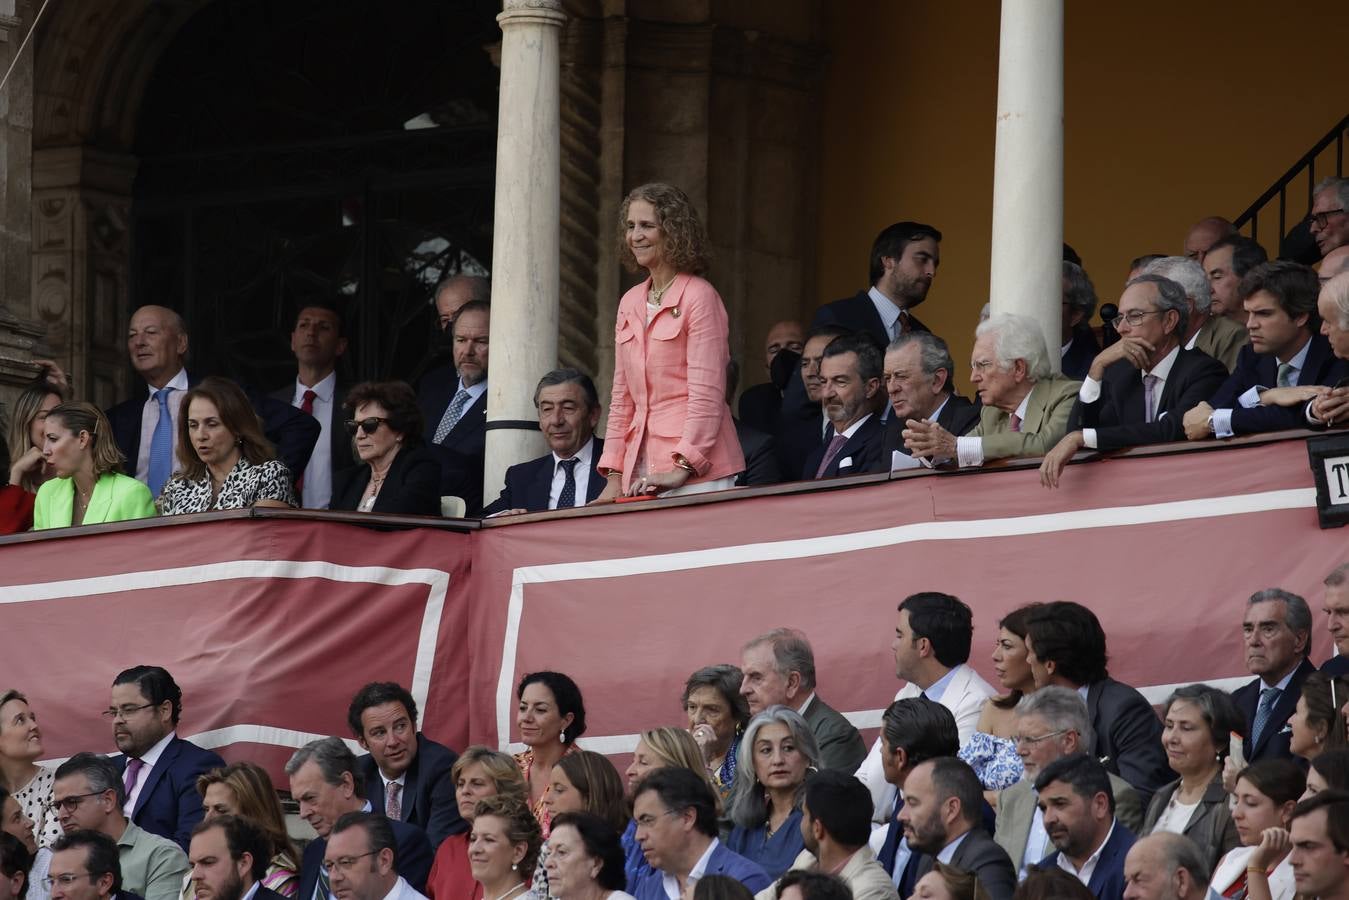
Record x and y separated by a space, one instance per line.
525 238
1027 271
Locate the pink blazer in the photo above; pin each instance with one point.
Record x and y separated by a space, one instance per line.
670 384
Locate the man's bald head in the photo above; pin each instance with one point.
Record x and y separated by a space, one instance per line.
453 292
156 341
1204 234
1336 262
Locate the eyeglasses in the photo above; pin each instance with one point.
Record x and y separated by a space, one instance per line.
346 863
1320 219
124 712
1020 739
1134 317
648 821
66 879
71 803
369 426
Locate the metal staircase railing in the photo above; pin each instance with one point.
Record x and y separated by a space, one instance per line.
1279 190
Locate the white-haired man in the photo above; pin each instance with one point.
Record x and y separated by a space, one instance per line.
1219 336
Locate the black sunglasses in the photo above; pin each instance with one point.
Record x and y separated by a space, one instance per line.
369 426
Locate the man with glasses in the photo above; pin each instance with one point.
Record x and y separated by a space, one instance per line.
1138 388
88 795
229 858
1050 724
362 860
159 769
1329 216
84 866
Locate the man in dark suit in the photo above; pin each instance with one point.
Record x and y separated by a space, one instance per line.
917 373
1285 351
761 404
761 460
159 769
1065 645
1336 605
904 261
952 832
1276 634
1079 346
453 401
913 731
327 783
566 477
851 395
229 856
146 426
1138 389
802 424
1079 813
318 342
407 775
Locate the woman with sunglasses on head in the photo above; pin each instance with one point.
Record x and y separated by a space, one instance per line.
396 474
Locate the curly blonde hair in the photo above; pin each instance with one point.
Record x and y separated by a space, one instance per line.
685 239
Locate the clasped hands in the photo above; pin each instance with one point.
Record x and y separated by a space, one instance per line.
928 440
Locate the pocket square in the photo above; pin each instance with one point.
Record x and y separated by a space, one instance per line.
845 463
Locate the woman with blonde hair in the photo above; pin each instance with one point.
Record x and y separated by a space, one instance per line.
29 783
244 789
27 469
658 748
478 773
503 848
89 488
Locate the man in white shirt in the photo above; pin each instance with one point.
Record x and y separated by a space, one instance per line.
318 342
1079 815
356 838
229 856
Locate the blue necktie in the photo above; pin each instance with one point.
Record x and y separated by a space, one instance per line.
1268 697
161 445
567 499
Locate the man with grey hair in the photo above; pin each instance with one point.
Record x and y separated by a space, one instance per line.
1025 405
1331 404
1204 234
918 380
1051 723
1276 636
453 292
779 669
1329 215
327 784
1336 606
1334 263
1165 866
1079 302
1218 336
1139 387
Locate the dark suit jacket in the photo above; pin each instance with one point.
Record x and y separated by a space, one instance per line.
428 790
291 432
1273 741
799 435
263 893
957 416
1118 414
863 448
1128 732
1107 881
411 488
1337 666
841 745
338 439
858 313
760 406
979 855
1081 352
463 451
528 484
414 859
169 804
761 457
1320 367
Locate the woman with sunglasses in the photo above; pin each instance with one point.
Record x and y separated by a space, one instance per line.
396 474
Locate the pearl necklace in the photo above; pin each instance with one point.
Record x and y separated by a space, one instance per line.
512 891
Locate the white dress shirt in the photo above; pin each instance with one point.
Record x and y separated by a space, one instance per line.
1089 867
404 891
1222 418
887 309
671 884
581 471
1091 391
150 418
1037 843
970 449
317 491
148 760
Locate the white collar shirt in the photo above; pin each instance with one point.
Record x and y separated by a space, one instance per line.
148 761
888 310
671 884
1089 867
317 490
150 417
581 472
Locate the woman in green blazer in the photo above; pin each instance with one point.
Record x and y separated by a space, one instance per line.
88 488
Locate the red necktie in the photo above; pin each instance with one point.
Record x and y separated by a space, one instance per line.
306 407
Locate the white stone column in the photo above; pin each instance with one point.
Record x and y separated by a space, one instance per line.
526 273
1027 263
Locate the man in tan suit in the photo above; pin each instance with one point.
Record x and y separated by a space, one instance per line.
1218 336
1026 406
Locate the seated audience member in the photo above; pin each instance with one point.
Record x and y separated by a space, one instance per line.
657 748
918 372
1079 814
1066 646
761 405
15 862
943 820
503 848
89 795
1286 350
761 456
326 782
1139 265
676 817
1329 215
1196 730
1319 834
1025 405
16 834
1335 262
851 395
904 261
394 473
1336 606
1317 723
779 669
356 837
1139 387
228 856
84 866
1051 883
1328 772
584 782
991 750
407 775
1276 637
224 461
1165 866
718 714
933 632
765 802
1051 724
478 773
159 769
27 468
1217 335
550 717
584 859
723 887
800 885
20 774
803 425
1079 344
950 883
1264 798
836 824
454 408
1204 234
1330 407
88 487
569 410
245 790
1226 263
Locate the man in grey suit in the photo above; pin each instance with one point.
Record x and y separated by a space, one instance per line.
953 833
1050 723
779 669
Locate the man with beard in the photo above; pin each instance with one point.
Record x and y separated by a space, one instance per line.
943 819
904 261
229 856
455 410
851 394
1079 812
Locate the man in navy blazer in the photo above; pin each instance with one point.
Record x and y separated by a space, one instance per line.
676 816
407 775
453 400
851 395
566 477
1286 350
904 261
326 781
1079 814
1276 636
159 769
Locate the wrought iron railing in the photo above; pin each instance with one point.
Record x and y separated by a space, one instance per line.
1279 190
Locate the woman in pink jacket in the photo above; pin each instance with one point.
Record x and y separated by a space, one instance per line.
670 430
